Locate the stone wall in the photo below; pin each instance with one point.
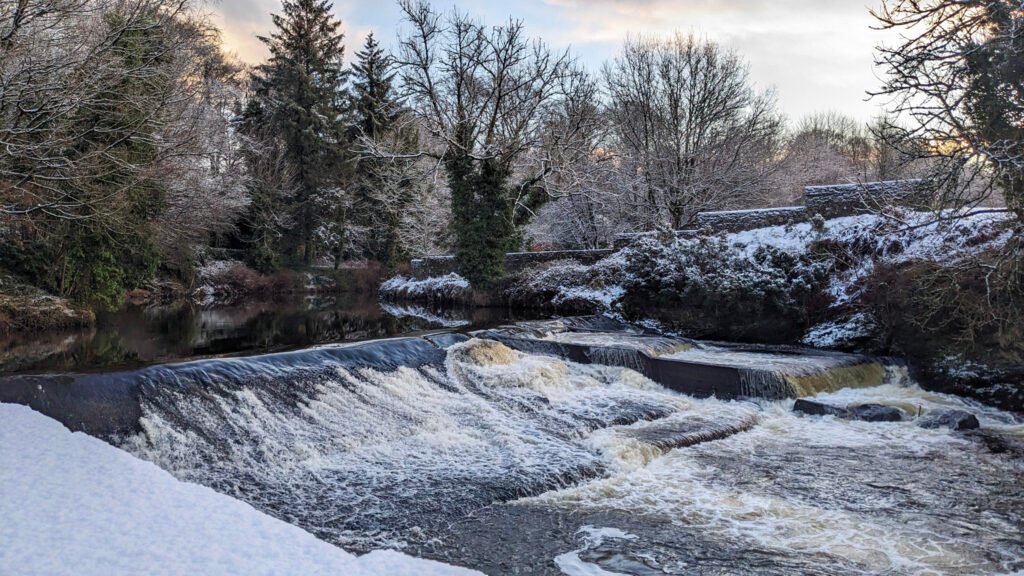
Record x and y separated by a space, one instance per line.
832 201
837 200
432 266
514 261
737 220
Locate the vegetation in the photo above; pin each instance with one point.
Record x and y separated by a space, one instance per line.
710 288
139 150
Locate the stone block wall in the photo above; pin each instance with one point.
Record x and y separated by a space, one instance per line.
838 200
514 261
737 220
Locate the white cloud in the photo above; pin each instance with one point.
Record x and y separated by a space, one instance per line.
817 53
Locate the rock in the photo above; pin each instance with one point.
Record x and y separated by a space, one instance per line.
952 419
876 413
819 409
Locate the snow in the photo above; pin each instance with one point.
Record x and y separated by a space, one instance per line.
441 287
839 333
72 504
571 564
214 268
919 235
606 297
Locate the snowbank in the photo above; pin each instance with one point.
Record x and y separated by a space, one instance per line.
72 504
449 288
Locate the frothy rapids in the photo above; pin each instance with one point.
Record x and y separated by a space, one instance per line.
497 459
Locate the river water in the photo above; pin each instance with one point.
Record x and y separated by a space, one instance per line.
513 463
140 336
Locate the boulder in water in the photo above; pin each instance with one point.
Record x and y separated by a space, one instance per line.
819 409
952 419
876 413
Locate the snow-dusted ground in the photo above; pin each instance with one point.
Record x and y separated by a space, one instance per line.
72 504
913 236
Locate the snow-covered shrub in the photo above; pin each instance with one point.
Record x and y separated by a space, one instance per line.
444 289
710 287
568 286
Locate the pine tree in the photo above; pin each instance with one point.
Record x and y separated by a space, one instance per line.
382 201
375 103
302 89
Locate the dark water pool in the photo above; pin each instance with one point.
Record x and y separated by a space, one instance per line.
139 336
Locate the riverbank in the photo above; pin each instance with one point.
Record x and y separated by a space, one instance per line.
218 283
901 283
24 307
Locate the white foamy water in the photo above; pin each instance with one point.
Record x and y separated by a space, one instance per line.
884 497
788 363
368 457
571 564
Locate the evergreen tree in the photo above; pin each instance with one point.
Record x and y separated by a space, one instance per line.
382 201
301 89
375 103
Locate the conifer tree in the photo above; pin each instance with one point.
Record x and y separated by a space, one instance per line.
382 200
375 103
302 90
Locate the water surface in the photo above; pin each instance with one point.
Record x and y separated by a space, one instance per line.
139 336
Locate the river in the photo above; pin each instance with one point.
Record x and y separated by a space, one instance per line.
139 336
476 454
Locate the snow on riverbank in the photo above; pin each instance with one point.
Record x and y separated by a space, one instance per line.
851 248
72 504
450 288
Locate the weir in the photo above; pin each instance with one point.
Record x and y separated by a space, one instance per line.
105 404
469 451
695 368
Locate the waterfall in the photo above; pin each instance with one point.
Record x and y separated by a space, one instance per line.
366 456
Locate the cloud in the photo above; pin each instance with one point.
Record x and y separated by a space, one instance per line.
817 53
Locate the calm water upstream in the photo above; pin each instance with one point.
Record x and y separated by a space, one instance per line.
139 336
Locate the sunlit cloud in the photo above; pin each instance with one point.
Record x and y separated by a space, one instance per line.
818 54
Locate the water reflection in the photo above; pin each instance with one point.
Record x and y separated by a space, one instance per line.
140 336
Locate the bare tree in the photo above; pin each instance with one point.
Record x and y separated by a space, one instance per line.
59 58
699 134
119 153
957 80
482 93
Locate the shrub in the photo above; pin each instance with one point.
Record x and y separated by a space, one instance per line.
450 289
928 309
568 286
709 288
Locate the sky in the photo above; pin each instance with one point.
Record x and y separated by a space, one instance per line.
817 54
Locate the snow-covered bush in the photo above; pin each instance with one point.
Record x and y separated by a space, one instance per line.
568 286
710 287
443 290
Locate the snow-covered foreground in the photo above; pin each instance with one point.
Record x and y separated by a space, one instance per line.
72 504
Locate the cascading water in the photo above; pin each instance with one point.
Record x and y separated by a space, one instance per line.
821 493
365 457
498 459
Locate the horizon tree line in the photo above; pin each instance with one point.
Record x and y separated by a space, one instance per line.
134 144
